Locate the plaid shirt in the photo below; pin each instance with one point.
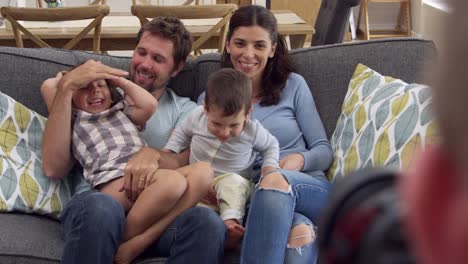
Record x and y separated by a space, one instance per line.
104 142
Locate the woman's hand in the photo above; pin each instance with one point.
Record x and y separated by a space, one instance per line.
139 171
293 162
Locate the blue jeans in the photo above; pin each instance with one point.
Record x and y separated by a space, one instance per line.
94 224
273 213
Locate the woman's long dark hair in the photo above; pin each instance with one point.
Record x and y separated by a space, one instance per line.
277 68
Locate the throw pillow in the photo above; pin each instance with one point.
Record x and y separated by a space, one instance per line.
384 122
23 185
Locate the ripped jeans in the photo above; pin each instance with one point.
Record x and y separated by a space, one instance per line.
273 213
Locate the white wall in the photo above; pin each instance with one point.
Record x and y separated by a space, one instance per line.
432 20
427 19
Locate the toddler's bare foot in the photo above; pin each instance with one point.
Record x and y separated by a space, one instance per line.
128 251
235 233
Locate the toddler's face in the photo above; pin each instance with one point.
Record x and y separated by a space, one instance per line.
94 98
225 127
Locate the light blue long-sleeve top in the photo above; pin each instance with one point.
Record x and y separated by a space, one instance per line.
296 124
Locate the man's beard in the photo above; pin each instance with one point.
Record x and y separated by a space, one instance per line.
152 87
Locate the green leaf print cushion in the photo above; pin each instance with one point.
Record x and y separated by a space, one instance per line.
384 122
23 185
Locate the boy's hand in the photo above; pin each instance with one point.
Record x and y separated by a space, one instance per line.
88 72
267 169
121 82
210 198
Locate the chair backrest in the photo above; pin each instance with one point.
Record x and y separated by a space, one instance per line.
222 11
95 12
40 3
332 19
148 2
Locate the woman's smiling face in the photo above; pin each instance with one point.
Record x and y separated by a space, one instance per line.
250 48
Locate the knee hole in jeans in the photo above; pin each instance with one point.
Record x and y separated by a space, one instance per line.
301 235
274 180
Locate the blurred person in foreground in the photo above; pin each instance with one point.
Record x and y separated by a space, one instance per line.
435 190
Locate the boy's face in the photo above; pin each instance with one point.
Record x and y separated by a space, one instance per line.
94 98
226 127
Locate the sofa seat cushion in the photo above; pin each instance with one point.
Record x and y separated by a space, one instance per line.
34 239
29 238
384 122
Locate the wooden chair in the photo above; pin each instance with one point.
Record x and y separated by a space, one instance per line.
16 14
404 14
244 2
148 2
39 3
143 12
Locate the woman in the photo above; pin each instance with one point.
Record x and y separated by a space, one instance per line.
285 207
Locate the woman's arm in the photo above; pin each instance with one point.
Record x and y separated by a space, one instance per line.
319 155
143 103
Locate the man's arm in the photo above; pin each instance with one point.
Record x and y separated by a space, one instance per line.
57 159
146 161
56 156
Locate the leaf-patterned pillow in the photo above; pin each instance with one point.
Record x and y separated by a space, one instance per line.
384 122
23 185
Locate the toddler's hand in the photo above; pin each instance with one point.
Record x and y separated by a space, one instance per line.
210 198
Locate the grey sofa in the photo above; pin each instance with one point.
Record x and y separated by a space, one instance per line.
26 238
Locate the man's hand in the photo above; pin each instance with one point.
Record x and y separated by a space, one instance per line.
139 171
293 162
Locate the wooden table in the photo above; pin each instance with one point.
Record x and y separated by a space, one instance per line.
119 32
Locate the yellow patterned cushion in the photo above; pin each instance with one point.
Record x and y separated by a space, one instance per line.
23 185
384 122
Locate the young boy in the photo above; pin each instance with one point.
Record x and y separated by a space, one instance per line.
221 133
104 138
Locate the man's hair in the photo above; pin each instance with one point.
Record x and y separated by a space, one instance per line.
229 90
173 29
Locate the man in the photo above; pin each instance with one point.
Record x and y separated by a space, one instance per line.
93 222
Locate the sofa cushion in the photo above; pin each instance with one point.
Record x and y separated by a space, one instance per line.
327 69
23 70
29 239
384 122
23 185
